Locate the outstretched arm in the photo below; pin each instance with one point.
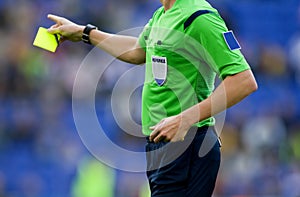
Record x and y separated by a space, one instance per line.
125 48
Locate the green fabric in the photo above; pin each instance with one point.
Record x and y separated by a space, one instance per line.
194 55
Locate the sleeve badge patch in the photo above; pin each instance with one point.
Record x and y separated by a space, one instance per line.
231 41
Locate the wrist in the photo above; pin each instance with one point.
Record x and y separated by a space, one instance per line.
80 29
78 32
186 119
190 116
86 33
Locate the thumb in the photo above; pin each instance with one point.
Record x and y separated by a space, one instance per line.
55 30
152 127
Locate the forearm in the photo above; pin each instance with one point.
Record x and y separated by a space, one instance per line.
231 91
125 48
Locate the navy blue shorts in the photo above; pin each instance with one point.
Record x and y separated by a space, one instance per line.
187 168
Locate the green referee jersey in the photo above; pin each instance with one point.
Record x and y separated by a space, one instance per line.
186 47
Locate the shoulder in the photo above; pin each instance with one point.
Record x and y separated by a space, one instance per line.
188 9
205 22
199 14
158 13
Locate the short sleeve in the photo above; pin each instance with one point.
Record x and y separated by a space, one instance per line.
208 30
143 37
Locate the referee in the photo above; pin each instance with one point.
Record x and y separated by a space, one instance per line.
185 45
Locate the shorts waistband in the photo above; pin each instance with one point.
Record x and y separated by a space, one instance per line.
200 130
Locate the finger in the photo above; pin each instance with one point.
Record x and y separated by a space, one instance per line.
152 128
159 138
62 39
54 26
54 18
156 129
154 133
54 30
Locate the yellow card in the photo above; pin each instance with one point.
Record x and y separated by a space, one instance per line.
46 40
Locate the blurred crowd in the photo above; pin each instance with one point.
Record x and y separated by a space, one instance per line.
41 153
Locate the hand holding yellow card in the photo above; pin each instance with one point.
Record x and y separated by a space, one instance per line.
45 40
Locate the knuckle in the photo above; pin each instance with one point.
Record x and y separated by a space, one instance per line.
164 134
168 138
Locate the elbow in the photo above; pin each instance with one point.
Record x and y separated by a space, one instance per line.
133 57
245 82
131 60
254 86
251 85
137 61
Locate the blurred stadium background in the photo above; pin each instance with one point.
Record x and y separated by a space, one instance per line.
41 154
